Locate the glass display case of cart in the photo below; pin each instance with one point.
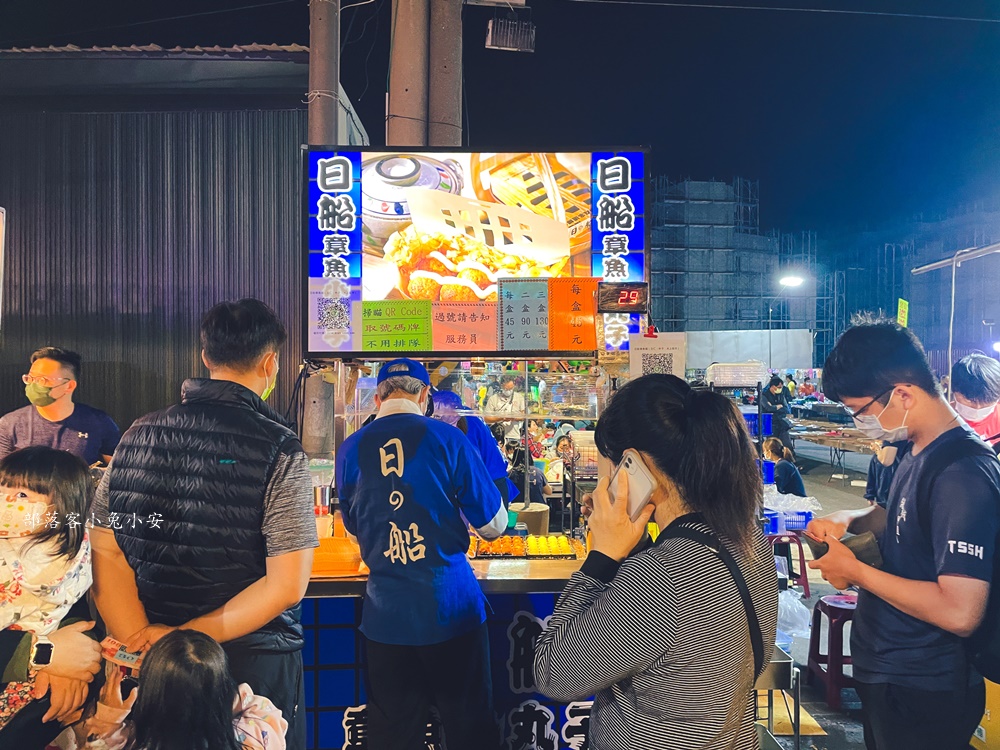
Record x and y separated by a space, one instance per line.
531 404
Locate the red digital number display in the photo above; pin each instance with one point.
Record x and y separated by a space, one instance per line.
630 297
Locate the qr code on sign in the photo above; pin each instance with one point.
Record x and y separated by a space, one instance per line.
660 363
334 314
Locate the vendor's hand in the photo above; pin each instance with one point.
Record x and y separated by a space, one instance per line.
820 528
145 638
66 696
111 693
74 655
613 533
839 566
587 505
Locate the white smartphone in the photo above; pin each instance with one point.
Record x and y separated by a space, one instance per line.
640 482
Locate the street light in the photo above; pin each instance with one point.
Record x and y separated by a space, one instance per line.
996 346
787 282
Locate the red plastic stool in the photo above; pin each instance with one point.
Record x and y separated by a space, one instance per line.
802 577
829 667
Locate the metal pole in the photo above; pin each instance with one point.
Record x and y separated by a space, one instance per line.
444 105
770 332
324 72
406 115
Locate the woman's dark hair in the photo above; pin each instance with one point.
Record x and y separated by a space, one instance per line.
237 334
789 377
68 359
777 448
977 378
187 697
776 382
873 357
65 480
698 439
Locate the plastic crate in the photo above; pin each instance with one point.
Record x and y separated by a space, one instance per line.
772 522
797 520
766 471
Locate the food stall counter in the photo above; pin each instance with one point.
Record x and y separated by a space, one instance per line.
496 577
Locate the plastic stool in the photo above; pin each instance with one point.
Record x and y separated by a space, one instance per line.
802 577
829 667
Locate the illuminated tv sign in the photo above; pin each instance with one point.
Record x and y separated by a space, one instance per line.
412 251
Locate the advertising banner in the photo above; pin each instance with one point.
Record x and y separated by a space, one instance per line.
449 227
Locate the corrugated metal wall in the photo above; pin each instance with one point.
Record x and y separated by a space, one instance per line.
123 228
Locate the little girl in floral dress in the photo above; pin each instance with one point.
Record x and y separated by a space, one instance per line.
44 549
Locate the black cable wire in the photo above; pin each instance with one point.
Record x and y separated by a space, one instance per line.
368 57
830 11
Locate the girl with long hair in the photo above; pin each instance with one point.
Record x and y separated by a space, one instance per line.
44 555
186 700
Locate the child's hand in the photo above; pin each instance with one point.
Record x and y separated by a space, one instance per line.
111 693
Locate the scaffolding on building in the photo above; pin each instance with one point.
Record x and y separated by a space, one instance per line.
712 269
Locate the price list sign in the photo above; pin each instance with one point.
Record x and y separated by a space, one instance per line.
396 326
573 307
524 314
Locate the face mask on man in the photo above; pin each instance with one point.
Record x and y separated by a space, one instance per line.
969 414
39 395
871 426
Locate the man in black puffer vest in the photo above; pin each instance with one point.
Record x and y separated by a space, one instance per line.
206 519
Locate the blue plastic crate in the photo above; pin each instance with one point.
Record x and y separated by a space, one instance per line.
766 471
771 521
797 520
767 423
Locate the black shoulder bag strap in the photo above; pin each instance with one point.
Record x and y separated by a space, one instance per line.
712 542
937 462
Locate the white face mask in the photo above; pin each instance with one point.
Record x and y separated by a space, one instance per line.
872 427
974 415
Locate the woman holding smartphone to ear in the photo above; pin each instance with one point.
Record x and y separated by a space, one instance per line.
669 637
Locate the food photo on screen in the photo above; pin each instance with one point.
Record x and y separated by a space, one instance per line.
446 226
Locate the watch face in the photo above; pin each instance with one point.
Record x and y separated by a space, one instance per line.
43 654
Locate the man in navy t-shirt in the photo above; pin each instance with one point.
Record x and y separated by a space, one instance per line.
52 419
917 688
408 488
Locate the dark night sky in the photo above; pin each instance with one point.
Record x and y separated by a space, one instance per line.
844 119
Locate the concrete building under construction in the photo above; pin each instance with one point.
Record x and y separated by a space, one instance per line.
713 269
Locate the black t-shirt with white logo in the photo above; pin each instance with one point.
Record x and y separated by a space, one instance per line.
889 646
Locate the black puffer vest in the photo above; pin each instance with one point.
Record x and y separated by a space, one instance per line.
202 465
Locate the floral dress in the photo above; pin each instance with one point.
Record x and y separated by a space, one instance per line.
37 589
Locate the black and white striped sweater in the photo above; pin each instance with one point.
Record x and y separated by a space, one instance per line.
662 644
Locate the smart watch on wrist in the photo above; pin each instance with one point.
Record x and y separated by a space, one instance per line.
41 653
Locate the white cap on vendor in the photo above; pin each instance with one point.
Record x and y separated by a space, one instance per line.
403 367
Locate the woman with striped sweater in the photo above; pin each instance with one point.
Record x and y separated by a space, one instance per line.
669 637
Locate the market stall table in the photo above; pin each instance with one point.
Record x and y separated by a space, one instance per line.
840 441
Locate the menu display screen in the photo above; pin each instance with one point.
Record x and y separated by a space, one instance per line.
449 229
